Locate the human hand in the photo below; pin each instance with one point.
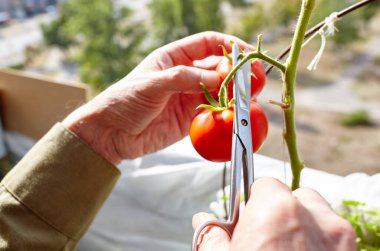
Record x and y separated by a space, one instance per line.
276 219
152 107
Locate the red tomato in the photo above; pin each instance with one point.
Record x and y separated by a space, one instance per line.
211 132
223 68
257 82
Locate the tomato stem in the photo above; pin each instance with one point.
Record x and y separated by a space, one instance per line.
221 96
280 104
257 54
289 78
259 42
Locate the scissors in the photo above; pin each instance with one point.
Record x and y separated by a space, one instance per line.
241 156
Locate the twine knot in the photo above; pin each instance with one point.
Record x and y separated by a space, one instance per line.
328 29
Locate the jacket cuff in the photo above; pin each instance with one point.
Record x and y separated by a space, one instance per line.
63 181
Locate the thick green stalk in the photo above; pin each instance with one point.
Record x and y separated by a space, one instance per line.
288 91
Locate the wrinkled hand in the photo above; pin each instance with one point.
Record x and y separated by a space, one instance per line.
277 219
152 107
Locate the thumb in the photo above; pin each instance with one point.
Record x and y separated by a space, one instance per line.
212 238
187 79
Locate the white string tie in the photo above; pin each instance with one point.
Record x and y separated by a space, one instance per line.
330 23
327 30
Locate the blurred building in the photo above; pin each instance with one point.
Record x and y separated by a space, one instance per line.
19 9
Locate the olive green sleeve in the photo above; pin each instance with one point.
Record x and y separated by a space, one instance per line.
50 198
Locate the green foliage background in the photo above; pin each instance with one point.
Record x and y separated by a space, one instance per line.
104 40
107 41
366 224
175 19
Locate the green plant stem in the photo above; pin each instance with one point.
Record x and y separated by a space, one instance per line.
248 56
290 136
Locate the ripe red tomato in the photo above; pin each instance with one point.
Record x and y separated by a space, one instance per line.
257 82
223 68
211 132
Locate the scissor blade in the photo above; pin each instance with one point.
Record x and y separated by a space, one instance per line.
242 91
236 171
242 141
235 54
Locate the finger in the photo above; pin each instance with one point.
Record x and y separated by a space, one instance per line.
209 63
199 46
268 188
212 238
187 79
311 199
200 218
266 195
271 204
338 230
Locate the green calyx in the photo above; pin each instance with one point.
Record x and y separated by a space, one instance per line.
223 102
225 53
214 105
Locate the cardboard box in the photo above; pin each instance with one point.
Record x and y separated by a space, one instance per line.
31 105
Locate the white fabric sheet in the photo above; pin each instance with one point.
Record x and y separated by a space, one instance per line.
153 202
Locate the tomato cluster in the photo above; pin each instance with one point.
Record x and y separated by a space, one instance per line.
211 131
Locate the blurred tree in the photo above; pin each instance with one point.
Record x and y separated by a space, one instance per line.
370 11
174 19
55 35
239 3
252 21
105 40
282 14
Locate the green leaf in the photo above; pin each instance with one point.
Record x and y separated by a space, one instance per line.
372 212
366 224
225 53
208 96
224 198
353 203
231 103
211 108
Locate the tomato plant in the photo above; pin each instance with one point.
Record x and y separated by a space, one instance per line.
211 132
258 77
